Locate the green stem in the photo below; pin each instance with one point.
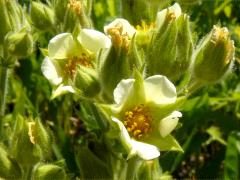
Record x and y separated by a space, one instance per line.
133 166
27 173
3 92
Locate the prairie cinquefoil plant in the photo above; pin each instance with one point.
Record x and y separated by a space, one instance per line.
119 90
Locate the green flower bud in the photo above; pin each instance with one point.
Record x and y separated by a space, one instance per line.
19 44
115 67
86 80
40 137
122 57
42 16
22 148
4 21
170 51
9 168
213 56
49 172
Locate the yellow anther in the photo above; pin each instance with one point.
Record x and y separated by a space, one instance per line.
138 121
73 62
137 132
75 6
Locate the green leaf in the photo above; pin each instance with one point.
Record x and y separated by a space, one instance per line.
215 135
44 51
232 158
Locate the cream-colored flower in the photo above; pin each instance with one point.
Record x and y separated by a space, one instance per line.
65 53
145 114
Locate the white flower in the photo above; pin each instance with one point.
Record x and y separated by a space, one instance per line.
174 11
65 53
145 114
123 25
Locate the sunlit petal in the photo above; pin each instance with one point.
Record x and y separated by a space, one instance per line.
94 40
50 71
160 90
168 124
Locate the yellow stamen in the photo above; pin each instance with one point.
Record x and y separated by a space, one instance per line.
138 121
75 6
71 66
119 38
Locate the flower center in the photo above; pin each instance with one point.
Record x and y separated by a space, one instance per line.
71 66
138 121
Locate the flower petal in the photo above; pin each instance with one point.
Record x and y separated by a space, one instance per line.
145 151
50 71
124 136
168 124
122 90
161 15
61 46
93 40
160 90
62 90
127 27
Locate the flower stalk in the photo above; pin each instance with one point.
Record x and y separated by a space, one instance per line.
3 91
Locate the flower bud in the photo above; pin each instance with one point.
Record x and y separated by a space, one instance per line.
42 16
9 168
86 80
39 136
213 56
121 58
49 172
22 148
19 44
4 21
115 67
170 51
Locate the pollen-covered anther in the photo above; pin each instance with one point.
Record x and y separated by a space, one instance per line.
71 65
171 16
75 6
138 121
119 38
219 34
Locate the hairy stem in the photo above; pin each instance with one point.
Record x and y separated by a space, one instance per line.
3 92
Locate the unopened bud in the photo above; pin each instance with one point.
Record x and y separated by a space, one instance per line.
170 51
49 172
19 44
40 137
42 16
115 67
22 148
213 56
4 21
9 168
86 80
